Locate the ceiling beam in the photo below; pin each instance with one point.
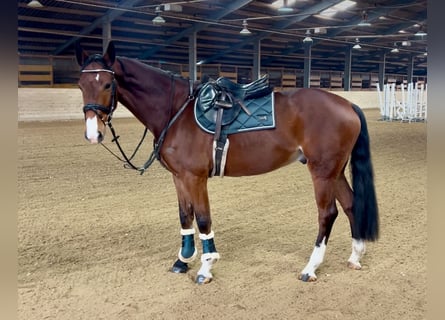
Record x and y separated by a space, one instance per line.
110 15
349 25
391 30
278 25
197 27
55 27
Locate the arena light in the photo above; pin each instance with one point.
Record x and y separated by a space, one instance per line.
245 31
283 6
395 49
420 33
341 6
158 20
308 38
35 4
364 22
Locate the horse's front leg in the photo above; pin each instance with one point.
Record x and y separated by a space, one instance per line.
194 202
187 253
208 258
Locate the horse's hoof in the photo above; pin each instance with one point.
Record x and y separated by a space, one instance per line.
307 278
200 279
354 266
179 267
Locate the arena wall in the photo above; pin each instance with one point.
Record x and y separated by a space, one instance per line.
46 104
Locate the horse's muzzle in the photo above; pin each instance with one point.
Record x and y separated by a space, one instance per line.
94 140
93 130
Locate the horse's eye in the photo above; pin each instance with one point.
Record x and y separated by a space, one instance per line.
107 86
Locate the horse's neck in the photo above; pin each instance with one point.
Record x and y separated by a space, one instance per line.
147 94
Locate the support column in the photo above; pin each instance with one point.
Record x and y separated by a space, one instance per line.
410 69
307 65
382 71
192 56
347 71
256 72
106 33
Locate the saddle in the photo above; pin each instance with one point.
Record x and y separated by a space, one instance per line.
257 88
219 103
227 98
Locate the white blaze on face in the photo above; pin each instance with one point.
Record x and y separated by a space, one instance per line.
97 77
92 132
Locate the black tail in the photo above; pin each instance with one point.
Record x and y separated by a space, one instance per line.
365 210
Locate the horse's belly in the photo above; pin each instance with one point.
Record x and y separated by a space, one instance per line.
253 161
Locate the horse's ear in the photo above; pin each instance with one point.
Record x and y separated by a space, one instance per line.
81 55
110 54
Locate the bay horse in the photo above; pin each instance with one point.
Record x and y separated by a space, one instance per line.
314 125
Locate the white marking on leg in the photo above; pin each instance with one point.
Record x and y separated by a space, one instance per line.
358 250
97 77
315 260
92 129
207 259
207 262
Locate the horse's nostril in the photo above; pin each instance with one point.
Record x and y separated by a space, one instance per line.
97 138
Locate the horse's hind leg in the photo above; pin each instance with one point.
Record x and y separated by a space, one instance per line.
344 195
327 213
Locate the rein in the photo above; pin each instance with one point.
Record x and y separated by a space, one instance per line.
155 154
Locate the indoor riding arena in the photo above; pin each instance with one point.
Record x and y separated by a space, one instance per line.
97 240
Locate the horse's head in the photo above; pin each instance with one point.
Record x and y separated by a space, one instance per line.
98 88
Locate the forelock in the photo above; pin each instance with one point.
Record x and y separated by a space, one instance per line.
98 58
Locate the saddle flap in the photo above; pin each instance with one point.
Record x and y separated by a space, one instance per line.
208 101
206 97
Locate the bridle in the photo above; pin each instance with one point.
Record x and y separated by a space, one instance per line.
110 109
95 107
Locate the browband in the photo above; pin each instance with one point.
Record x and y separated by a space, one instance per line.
98 70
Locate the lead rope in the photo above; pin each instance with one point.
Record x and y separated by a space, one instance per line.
155 154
